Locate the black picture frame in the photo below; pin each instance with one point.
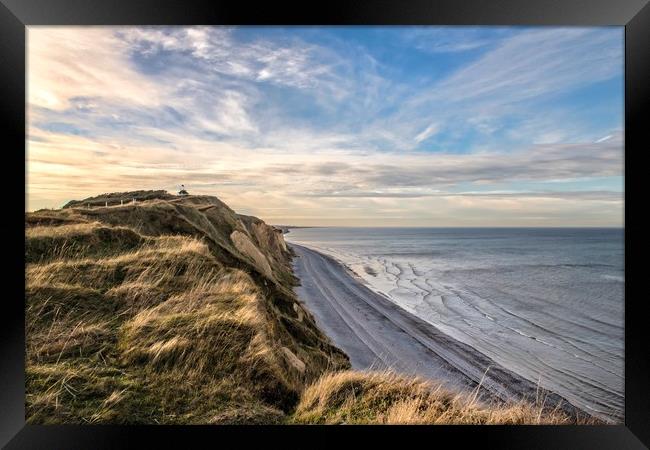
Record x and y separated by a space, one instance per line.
16 15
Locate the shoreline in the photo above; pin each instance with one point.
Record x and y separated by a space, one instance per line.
376 333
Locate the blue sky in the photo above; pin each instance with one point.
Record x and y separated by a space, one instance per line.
413 126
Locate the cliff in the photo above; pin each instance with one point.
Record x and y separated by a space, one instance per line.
178 310
167 310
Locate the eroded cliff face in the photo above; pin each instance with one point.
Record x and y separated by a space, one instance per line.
165 299
246 247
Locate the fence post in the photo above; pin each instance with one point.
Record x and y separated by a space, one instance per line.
107 204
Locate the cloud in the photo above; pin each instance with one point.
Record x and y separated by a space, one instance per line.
339 173
294 64
607 196
537 63
402 174
248 177
512 88
324 131
65 63
456 39
603 139
427 132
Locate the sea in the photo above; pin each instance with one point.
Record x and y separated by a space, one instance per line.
546 303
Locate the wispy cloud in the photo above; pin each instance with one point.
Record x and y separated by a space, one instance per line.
537 63
287 63
514 87
68 62
453 39
427 132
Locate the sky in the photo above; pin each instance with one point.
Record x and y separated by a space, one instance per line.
336 126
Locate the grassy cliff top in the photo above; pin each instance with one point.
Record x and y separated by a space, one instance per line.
178 310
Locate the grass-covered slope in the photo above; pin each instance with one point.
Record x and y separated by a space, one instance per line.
169 310
350 397
178 310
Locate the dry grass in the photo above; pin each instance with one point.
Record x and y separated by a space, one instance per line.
62 230
78 240
352 397
146 314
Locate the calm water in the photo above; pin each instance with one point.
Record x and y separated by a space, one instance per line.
545 303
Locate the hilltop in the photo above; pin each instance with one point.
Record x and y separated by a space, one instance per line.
178 310
169 310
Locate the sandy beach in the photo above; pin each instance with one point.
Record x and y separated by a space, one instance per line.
377 334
